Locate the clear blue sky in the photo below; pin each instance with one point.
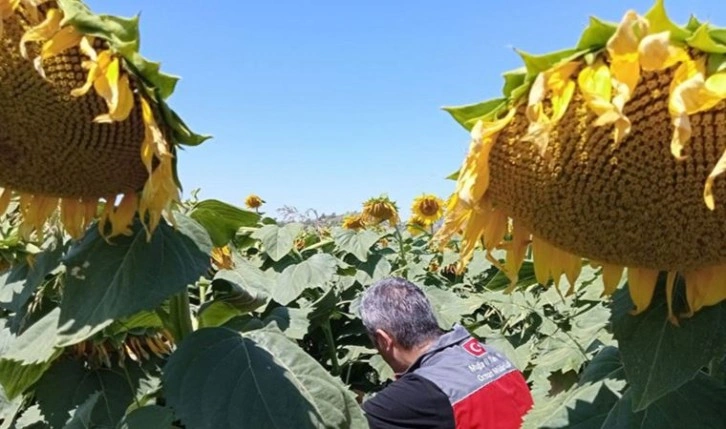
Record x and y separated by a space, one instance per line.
322 104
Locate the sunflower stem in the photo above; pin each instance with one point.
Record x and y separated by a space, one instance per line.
331 347
180 316
401 246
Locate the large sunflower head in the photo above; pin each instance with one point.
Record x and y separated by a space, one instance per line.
83 119
428 207
611 151
380 209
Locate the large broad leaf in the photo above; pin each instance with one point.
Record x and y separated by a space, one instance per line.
246 287
375 268
31 418
700 403
357 243
152 416
82 416
449 307
587 404
277 241
8 409
314 272
294 322
28 356
106 281
17 285
116 386
221 220
221 379
658 356
385 372
236 292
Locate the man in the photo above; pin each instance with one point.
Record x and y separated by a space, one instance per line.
443 380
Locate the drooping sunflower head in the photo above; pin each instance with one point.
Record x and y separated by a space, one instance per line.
354 222
417 225
253 201
428 207
83 119
380 209
611 152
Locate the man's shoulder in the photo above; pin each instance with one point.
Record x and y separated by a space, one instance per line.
463 368
411 401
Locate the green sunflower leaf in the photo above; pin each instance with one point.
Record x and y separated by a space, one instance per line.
659 22
597 34
702 40
260 377
468 115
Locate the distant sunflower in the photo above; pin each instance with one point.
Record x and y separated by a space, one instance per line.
253 201
381 209
417 225
612 151
83 119
428 207
354 222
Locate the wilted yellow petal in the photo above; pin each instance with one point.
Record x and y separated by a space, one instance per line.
670 285
122 216
5 200
657 53
43 31
474 177
65 38
704 287
559 85
516 251
541 255
611 275
641 282
595 84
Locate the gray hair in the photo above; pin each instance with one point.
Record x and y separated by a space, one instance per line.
401 309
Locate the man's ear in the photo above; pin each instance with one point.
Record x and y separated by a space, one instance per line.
384 339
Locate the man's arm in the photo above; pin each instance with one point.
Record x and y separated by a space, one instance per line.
412 402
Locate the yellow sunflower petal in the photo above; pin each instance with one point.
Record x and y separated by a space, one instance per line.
516 252
474 177
122 216
5 199
65 38
656 52
42 32
670 285
559 85
641 283
611 275
705 287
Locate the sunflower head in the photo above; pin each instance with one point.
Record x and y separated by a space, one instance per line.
253 201
417 225
613 152
354 222
428 207
89 125
380 209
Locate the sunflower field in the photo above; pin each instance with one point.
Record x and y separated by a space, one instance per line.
583 238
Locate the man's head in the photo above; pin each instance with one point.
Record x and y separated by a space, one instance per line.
399 319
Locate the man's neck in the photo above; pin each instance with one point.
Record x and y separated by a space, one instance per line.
409 357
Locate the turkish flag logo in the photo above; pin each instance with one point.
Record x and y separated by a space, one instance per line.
474 347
